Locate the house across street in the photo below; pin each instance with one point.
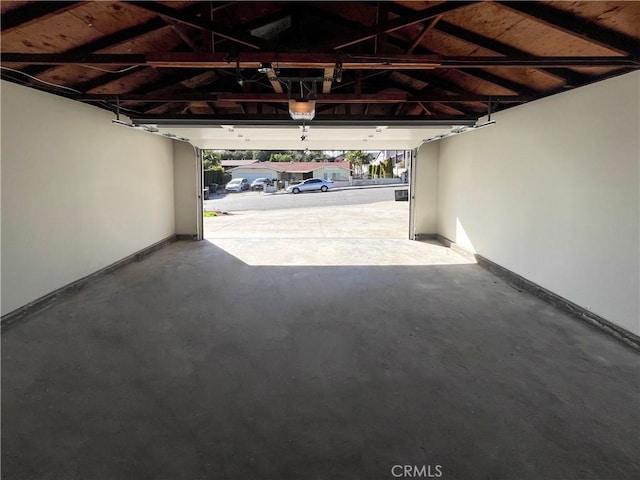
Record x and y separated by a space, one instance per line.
292 171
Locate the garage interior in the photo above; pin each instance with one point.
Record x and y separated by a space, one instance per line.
499 340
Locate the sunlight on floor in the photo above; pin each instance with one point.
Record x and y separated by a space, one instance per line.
358 235
337 251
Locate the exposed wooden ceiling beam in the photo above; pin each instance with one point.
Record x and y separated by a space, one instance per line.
184 36
328 79
576 26
292 60
423 34
318 60
474 73
272 76
402 22
182 17
496 46
33 12
217 6
106 78
166 81
444 85
500 81
381 97
426 110
462 106
569 76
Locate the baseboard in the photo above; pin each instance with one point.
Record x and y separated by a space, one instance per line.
425 236
456 248
548 296
63 292
186 236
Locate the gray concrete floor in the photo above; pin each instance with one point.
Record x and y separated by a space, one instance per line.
235 358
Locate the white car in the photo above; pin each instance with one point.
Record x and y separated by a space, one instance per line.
310 185
237 185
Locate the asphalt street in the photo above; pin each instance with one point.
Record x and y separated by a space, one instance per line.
270 201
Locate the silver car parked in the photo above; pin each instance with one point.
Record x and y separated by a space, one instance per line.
237 185
310 185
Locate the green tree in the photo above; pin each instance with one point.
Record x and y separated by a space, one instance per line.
387 168
358 159
281 157
210 159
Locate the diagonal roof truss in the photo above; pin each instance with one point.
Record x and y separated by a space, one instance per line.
361 61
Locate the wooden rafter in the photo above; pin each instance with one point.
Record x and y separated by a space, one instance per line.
328 79
570 77
179 16
402 22
167 81
423 33
272 76
372 98
496 46
184 36
318 60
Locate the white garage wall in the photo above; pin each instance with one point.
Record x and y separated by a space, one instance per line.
78 193
551 192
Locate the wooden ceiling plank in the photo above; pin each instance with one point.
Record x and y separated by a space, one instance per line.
33 12
179 16
401 11
496 46
107 41
570 77
480 75
573 25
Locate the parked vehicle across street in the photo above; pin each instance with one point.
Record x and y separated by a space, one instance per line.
259 183
237 185
309 185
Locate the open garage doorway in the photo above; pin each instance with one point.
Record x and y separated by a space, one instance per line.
369 204
350 194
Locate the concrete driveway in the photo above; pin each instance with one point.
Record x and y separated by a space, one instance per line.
371 234
375 220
